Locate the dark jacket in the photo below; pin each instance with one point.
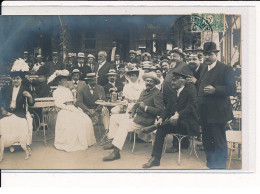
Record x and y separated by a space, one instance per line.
102 73
186 106
216 108
108 86
6 98
169 93
42 89
154 102
50 68
84 70
86 100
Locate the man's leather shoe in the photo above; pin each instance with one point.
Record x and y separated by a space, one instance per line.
109 146
172 150
113 156
152 162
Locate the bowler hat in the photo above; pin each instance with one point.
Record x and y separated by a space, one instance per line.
153 76
210 47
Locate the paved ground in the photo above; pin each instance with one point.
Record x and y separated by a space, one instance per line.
47 157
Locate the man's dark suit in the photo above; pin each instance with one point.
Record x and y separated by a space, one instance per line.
86 100
85 69
169 93
108 86
6 98
102 73
188 122
215 110
116 52
50 67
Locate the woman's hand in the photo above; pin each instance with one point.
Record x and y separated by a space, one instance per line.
6 113
27 94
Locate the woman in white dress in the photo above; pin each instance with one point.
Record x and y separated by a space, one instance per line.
131 92
74 129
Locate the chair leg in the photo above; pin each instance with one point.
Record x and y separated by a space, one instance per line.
165 144
179 158
130 137
230 158
134 142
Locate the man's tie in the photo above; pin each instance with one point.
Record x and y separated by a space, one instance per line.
75 84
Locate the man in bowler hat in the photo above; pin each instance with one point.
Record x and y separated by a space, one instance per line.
215 86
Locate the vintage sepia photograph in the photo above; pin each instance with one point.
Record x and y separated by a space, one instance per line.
121 92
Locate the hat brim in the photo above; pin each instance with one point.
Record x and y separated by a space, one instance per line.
182 55
156 79
76 72
210 51
177 74
111 74
18 73
87 78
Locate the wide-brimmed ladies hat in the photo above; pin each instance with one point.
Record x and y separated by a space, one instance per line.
90 76
153 76
58 74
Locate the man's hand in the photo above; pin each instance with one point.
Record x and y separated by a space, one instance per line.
142 105
191 79
5 113
209 90
159 122
174 119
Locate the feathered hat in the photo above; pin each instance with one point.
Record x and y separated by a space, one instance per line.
58 73
20 68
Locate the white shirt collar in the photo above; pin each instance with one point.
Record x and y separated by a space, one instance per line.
179 91
212 65
197 68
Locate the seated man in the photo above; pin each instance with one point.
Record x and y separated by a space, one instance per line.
148 107
112 76
180 117
89 95
121 79
75 85
42 89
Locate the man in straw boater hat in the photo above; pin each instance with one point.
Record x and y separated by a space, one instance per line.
81 66
149 106
89 95
91 62
215 86
112 83
75 83
39 63
180 117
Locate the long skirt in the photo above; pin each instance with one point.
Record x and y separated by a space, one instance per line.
14 129
73 131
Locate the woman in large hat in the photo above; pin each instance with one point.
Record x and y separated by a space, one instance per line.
131 92
74 129
14 101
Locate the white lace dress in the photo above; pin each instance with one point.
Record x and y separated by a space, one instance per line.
74 129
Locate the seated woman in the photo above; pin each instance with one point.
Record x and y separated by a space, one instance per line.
74 129
13 102
131 92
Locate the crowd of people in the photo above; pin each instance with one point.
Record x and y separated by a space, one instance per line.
184 93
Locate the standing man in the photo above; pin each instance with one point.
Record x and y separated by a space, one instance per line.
52 66
91 62
37 65
102 68
113 52
117 62
133 59
165 67
216 85
89 95
144 112
71 62
176 63
81 66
